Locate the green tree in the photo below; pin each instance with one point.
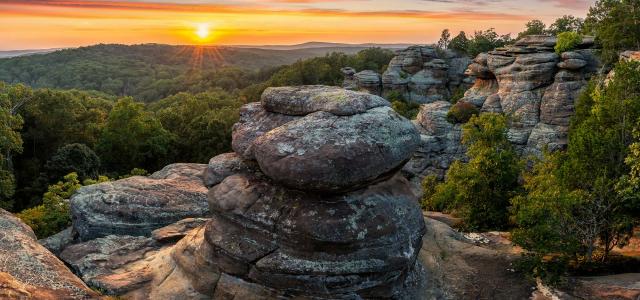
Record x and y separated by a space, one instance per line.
566 23
202 123
133 137
616 25
487 40
479 190
533 27
586 194
12 98
73 158
445 39
567 41
459 43
53 215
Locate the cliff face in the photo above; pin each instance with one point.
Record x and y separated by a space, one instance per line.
421 74
528 82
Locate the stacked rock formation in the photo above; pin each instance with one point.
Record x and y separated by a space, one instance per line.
421 74
310 205
527 81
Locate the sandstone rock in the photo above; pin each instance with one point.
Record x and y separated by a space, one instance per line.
324 152
99 257
254 122
529 82
349 78
57 242
369 81
304 100
224 165
320 243
178 230
29 271
138 205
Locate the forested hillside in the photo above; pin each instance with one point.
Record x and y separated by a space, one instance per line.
152 71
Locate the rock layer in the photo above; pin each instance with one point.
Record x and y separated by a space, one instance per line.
420 74
528 82
138 205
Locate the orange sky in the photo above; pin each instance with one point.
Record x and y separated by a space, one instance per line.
31 24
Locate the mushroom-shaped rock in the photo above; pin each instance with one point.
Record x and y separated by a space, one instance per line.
325 152
303 100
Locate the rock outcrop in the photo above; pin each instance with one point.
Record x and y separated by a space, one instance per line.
421 74
138 205
528 82
29 271
313 207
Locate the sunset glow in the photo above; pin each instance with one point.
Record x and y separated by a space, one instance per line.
68 23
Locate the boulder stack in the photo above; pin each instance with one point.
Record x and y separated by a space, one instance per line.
310 206
421 74
527 81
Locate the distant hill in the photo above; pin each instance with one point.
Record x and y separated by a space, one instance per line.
14 53
153 71
309 45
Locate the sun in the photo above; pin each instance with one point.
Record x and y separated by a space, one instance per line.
202 31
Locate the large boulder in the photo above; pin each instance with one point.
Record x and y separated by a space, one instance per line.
325 152
321 138
29 271
138 205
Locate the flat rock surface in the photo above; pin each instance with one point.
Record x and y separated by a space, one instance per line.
303 100
139 205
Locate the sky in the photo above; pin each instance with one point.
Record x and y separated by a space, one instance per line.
43 24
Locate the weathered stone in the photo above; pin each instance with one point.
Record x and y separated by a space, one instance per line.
223 166
29 271
139 205
324 152
304 100
369 81
57 242
572 64
254 122
178 230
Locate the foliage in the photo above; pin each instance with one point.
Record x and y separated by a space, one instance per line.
150 72
457 94
567 41
445 39
566 23
461 112
580 204
11 99
201 123
459 43
323 70
52 216
133 137
405 108
487 40
73 158
429 188
615 25
479 190
533 27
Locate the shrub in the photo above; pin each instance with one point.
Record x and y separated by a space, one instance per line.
429 185
461 112
479 191
52 216
567 41
405 108
73 158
